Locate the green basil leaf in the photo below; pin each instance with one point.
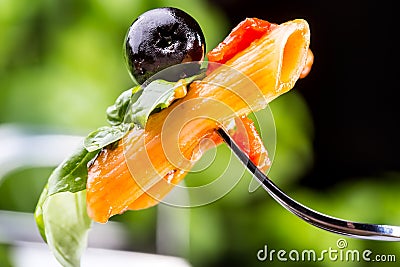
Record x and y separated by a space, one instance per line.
105 135
66 226
60 214
116 112
39 212
71 175
158 94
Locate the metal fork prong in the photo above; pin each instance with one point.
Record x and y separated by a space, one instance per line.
318 219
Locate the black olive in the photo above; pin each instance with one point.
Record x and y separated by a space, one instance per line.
160 38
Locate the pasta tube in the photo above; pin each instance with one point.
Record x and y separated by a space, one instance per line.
119 176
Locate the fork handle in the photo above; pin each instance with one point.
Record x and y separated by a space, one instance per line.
328 223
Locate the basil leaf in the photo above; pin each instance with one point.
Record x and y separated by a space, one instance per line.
116 112
104 136
66 226
60 214
158 94
71 175
39 212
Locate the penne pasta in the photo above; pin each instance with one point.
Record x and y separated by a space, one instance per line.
156 158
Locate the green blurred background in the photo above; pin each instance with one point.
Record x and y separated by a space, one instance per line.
61 66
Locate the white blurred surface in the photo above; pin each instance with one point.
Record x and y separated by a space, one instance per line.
26 254
22 148
18 230
21 227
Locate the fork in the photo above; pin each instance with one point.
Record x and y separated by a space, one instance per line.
318 219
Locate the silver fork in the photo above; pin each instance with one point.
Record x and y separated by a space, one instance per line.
332 224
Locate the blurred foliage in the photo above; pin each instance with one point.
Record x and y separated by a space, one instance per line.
61 62
61 65
5 260
19 190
